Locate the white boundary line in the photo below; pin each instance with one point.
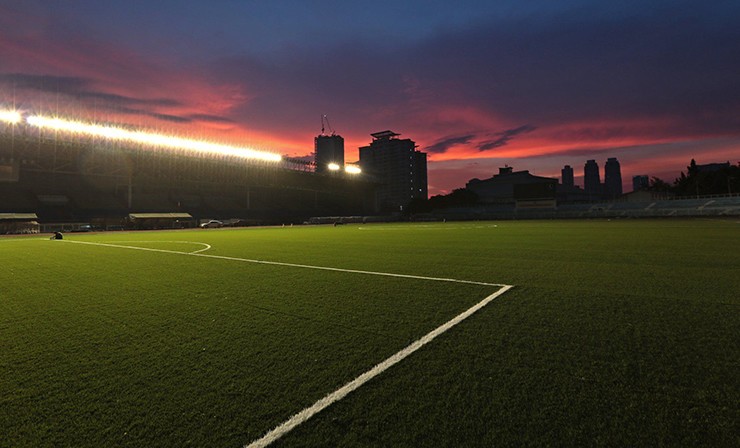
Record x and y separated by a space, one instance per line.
353 385
294 265
207 246
343 391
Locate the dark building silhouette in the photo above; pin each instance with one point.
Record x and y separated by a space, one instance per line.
591 178
567 176
329 149
640 182
399 168
520 187
612 178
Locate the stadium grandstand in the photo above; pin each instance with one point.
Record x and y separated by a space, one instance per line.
68 172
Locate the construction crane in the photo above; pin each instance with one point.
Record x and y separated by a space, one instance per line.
325 120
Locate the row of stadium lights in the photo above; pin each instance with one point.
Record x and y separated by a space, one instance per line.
349 169
158 140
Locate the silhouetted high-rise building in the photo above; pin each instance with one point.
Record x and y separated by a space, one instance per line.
567 176
400 169
329 150
612 177
640 182
591 178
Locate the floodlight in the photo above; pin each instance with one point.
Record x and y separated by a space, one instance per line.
352 169
333 167
10 116
146 138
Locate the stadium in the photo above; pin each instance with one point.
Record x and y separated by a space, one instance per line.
70 174
471 332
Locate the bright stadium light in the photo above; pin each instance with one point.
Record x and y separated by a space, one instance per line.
10 116
352 169
160 140
333 167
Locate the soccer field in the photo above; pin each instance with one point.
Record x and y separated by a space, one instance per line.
615 333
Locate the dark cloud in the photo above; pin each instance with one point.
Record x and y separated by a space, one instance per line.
504 137
364 90
163 117
442 145
665 61
168 117
586 153
45 83
210 118
127 100
671 61
79 87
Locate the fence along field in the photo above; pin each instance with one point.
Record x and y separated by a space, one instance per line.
609 336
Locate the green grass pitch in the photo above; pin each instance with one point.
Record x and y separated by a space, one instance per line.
617 333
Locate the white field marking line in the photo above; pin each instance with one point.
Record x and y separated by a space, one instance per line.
343 391
441 226
207 246
294 265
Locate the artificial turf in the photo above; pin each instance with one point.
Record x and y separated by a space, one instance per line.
617 333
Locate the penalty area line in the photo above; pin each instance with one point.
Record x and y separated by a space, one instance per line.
353 385
293 265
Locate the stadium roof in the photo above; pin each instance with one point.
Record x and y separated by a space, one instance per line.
18 216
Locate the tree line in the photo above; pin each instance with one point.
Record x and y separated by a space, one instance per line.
700 180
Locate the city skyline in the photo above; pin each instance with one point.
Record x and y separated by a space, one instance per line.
536 85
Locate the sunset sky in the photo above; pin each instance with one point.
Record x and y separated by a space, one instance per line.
477 84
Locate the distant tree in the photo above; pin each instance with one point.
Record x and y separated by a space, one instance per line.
692 169
460 197
731 179
688 183
698 182
659 185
